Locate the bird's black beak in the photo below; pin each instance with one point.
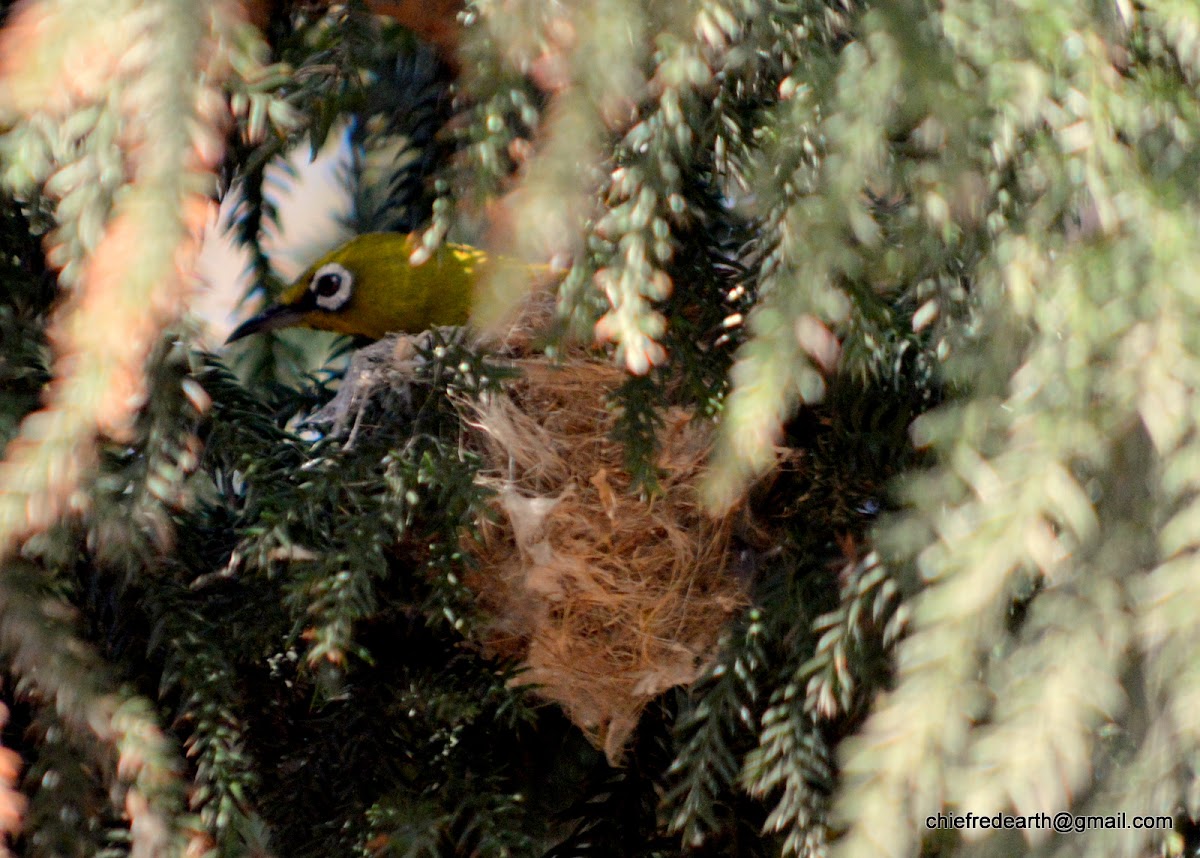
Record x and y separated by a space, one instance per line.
270 319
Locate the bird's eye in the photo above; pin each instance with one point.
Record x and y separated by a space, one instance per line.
331 285
327 285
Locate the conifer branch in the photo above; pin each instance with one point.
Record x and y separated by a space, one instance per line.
706 768
131 253
104 333
36 631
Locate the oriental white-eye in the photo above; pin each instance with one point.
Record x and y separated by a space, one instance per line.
369 288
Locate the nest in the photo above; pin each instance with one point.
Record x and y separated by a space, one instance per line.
608 600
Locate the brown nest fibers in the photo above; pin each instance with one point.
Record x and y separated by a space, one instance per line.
606 598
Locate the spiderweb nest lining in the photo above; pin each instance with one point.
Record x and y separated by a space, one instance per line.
607 600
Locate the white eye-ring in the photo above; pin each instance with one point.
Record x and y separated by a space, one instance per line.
331 285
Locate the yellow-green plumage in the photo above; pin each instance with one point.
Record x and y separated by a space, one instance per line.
387 294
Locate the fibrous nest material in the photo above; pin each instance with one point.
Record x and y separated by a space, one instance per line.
607 599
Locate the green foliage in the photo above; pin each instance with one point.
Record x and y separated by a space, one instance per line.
929 269
706 766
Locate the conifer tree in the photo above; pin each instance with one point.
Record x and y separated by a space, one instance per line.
916 280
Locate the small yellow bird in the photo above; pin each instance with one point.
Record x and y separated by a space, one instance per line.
369 288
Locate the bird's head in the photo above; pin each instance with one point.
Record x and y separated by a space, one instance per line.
368 288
